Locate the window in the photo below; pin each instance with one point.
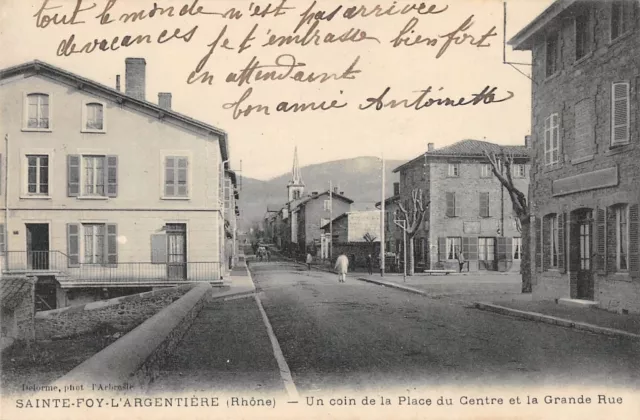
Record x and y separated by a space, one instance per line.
453 207
584 133
3 240
621 18
94 117
619 113
454 169
553 241
484 204
518 170
453 247
622 237
517 248
486 249
486 171
175 181
552 54
94 244
93 175
37 175
38 111
552 139
583 34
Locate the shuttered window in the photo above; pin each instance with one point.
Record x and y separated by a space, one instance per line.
453 206
175 181
620 113
454 170
453 247
98 176
634 241
484 204
552 139
73 244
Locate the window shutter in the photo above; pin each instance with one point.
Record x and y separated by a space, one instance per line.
620 113
561 243
538 239
73 244
158 249
112 176
450 204
442 249
610 241
546 243
73 175
600 241
181 180
465 247
634 242
456 203
112 244
3 240
547 140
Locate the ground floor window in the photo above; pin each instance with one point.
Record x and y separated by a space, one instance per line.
622 237
517 249
94 245
486 249
454 246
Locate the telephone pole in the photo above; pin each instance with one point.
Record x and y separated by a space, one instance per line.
382 224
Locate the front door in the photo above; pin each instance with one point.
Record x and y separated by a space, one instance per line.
176 251
585 245
486 254
37 246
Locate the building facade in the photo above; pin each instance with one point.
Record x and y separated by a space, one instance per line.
586 134
468 210
106 193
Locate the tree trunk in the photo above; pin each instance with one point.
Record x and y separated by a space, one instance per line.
525 263
410 257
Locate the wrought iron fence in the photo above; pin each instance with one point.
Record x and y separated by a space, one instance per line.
34 261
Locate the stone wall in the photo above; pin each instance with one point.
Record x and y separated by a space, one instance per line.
18 308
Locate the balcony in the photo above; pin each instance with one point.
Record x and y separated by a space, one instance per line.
123 274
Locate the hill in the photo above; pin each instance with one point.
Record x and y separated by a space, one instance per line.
358 178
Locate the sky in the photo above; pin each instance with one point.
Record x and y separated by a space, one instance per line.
262 145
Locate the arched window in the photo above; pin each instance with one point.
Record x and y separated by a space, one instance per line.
95 116
38 110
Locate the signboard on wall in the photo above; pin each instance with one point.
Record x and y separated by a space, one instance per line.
362 222
471 227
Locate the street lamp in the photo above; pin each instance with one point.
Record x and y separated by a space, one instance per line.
403 224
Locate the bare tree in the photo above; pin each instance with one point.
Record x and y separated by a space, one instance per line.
505 160
413 211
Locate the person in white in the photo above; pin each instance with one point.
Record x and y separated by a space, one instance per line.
342 266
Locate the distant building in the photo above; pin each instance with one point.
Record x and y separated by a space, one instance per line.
468 210
586 138
108 193
393 233
356 234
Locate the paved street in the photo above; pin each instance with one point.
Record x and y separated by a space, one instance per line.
363 336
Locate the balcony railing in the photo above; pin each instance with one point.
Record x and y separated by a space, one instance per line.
120 273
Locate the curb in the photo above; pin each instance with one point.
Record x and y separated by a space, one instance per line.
135 357
548 319
394 286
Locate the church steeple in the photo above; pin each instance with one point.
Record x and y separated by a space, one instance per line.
295 188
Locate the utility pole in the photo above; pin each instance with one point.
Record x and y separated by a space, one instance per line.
330 219
382 224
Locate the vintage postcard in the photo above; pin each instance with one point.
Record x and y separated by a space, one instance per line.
349 209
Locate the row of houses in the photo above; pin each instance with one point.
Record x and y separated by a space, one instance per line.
106 193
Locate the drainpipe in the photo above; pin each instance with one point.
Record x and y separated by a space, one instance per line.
6 202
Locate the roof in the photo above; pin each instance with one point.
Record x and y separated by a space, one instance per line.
40 67
313 197
342 216
523 39
391 199
471 149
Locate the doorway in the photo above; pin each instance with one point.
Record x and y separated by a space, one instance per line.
584 225
487 254
176 251
37 246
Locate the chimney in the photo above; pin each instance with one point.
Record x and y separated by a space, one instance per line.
527 142
134 79
118 82
430 147
164 100
396 188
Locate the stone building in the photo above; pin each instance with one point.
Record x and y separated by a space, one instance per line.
393 236
586 133
468 209
356 234
108 193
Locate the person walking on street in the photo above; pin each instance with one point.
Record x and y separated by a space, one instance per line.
342 267
461 260
309 260
268 255
370 264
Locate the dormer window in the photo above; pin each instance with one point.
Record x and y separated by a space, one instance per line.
37 111
93 118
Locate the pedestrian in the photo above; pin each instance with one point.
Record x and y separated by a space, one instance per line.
268 255
309 260
370 264
342 267
461 260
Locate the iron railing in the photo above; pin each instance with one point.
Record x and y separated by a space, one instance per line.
121 272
